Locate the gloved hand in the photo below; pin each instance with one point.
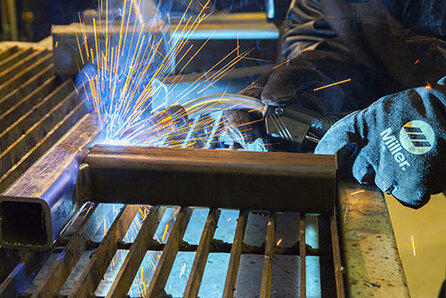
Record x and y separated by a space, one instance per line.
398 143
295 82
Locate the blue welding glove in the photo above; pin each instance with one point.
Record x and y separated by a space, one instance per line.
398 143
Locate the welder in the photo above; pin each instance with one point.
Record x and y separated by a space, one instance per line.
394 52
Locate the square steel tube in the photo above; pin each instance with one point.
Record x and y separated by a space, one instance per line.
274 181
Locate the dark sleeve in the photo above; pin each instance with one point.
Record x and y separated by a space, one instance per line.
309 39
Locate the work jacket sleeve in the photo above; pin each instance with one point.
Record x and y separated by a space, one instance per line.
306 30
309 39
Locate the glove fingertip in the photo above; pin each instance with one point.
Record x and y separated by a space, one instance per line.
413 199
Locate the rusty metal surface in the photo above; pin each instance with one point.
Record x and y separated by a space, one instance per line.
265 291
92 274
162 272
236 251
372 263
196 274
46 193
212 178
132 262
76 240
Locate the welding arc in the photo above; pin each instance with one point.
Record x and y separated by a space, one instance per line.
222 102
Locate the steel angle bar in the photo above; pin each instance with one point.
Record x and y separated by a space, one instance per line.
61 269
162 271
236 251
36 207
302 258
131 264
196 274
265 290
93 273
273 181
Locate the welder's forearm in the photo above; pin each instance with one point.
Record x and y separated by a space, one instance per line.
306 30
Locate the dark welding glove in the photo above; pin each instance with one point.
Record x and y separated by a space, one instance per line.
301 79
298 81
398 143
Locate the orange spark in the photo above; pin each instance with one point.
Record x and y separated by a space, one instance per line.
333 84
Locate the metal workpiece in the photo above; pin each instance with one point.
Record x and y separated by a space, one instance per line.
274 181
371 260
37 206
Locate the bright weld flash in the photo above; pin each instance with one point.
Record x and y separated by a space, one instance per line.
331 85
120 93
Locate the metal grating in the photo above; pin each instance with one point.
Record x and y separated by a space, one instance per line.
115 240
36 109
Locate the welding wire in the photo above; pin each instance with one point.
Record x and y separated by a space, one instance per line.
131 264
302 257
61 269
162 271
95 269
236 251
265 290
31 263
196 274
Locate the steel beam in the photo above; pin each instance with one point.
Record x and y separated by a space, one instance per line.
273 181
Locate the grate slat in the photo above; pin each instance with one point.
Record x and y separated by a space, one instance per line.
21 65
51 137
302 257
8 52
11 155
338 268
25 104
129 268
92 274
24 123
62 267
14 58
236 251
16 95
21 78
162 271
196 274
265 291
